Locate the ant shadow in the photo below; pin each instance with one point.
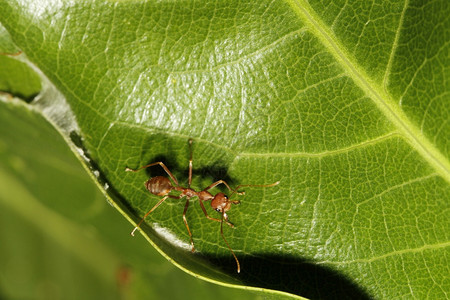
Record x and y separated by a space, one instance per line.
212 173
292 275
215 171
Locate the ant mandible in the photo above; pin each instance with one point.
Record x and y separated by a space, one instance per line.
162 186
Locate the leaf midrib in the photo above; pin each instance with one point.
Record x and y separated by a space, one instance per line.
375 92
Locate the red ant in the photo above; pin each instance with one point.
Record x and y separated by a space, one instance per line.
162 186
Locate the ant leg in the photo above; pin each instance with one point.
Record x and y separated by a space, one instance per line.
224 216
149 212
224 183
211 218
185 222
252 185
154 164
190 163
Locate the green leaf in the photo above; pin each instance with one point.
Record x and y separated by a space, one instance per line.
345 103
16 78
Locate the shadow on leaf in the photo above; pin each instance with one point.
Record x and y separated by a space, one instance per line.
292 275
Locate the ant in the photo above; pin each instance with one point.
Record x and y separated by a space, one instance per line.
162 186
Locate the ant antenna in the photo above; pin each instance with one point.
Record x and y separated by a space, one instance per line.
252 185
223 236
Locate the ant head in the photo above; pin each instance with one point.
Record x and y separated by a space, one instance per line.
221 203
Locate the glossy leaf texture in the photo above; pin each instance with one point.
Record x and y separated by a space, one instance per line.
345 103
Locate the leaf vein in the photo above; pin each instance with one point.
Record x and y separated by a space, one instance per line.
387 255
324 153
240 59
394 46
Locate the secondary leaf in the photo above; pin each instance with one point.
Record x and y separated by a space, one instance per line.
344 103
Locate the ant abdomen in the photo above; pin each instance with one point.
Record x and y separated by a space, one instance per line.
159 185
